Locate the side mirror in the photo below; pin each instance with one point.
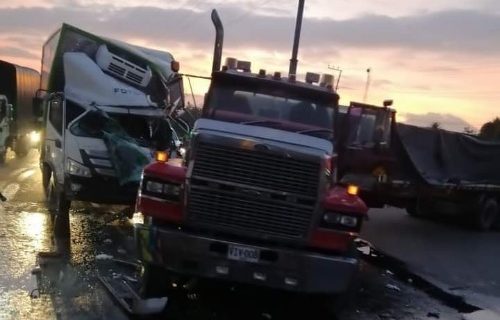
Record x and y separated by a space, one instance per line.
38 107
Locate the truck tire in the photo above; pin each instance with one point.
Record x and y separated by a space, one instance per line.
3 156
155 281
58 207
46 175
21 148
418 209
486 214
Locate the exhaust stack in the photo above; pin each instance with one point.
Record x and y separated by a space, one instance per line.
219 40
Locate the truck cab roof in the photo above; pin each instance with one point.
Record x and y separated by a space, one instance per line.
236 77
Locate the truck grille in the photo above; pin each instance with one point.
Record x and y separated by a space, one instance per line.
252 192
257 169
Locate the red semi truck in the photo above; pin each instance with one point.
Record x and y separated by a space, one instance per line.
256 199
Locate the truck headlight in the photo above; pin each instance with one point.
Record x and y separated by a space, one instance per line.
155 187
344 221
182 151
165 190
35 136
77 169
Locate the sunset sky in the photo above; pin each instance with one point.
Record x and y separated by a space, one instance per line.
439 60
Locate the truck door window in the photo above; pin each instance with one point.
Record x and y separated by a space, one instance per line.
72 111
56 114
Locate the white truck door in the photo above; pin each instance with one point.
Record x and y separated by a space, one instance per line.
54 137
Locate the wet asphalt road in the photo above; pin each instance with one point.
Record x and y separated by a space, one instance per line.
443 249
66 286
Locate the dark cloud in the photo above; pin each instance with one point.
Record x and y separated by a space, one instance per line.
447 121
454 31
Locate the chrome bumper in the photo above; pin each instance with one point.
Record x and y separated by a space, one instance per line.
280 268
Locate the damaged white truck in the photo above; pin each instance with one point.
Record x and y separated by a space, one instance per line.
104 105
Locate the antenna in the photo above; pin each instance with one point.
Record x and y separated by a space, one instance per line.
367 86
338 78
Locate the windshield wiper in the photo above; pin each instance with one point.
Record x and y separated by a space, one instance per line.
261 122
315 131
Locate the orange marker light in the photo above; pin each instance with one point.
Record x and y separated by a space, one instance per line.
161 156
352 190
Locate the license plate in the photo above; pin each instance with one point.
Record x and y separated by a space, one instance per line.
241 253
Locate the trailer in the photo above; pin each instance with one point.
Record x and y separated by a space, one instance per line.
19 130
427 171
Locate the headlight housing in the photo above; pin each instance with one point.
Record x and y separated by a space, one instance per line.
341 221
161 189
77 169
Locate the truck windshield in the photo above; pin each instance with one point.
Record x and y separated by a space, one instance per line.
275 109
150 132
368 127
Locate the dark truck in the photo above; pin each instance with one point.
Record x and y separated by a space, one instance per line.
256 200
427 171
19 129
365 139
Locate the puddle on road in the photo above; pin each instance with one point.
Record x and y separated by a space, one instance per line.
73 290
26 174
11 190
17 305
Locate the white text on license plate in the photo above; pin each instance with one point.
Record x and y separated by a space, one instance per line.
241 253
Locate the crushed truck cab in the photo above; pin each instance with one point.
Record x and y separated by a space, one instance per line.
256 200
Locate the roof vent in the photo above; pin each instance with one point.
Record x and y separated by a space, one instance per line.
121 68
244 66
312 77
327 81
231 63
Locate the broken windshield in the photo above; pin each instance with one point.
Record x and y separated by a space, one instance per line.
147 131
273 108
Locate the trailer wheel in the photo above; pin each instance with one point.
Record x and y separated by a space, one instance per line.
58 207
486 214
155 281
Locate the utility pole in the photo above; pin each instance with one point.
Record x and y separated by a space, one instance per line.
295 50
338 78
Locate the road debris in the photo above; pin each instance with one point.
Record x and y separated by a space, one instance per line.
392 287
130 301
103 256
